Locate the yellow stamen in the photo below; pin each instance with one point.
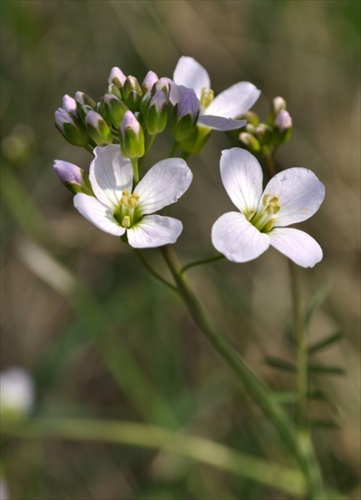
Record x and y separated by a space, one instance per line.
207 96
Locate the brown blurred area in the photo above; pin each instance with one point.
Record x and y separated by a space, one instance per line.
72 296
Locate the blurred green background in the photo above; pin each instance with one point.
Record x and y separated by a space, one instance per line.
100 336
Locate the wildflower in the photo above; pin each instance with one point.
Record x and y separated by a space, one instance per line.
220 112
17 392
117 209
290 196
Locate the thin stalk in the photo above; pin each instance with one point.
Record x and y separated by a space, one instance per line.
253 384
301 342
152 271
135 166
149 143
201 262
148 436
172 154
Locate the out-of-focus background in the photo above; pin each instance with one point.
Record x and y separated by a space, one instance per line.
100 336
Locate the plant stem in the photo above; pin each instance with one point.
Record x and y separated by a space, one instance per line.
203 261
150 436
253 384
135 166
153 272
301 342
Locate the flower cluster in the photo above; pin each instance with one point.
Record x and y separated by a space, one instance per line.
120 130
266 137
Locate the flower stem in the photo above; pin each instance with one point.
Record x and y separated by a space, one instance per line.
259 392
153 272
172 154
301 342
135 166
201 262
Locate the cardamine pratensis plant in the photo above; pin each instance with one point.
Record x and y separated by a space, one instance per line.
121 197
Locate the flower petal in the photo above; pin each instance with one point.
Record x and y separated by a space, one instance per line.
220 123
296 245
163 184
110 173
191 74
300 194
234 101
154 231
242 178
237 239
98 214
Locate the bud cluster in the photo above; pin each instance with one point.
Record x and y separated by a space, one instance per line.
266 137
129 114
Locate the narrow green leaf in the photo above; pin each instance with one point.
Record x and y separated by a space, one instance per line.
285 397
280 364
324 424
315 303
332 339
327 370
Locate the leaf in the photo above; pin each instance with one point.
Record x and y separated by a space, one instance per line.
285 397
324 424
326 370
332 339
315 303
280 364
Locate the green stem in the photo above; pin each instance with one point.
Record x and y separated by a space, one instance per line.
172 154
301 342
149 436
203 261
135 166
149 143
253 384
153 272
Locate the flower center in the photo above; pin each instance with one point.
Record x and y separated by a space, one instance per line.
126 214
207 96
264 219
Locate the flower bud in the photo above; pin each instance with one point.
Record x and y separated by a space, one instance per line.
162 84
282 127
112 109
131 93
113 89
250 141
263 133
131 137
117 77
98 129
278 104
73 177
157 114
283 120
150 79
251 117
185 116
69 104
70 127
85 99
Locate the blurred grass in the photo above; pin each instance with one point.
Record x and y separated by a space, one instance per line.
308 52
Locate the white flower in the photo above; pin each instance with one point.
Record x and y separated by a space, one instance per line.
117 209
16 391
290 196
218 112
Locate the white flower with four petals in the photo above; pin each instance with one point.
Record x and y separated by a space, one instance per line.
220 112
290 197
118 209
